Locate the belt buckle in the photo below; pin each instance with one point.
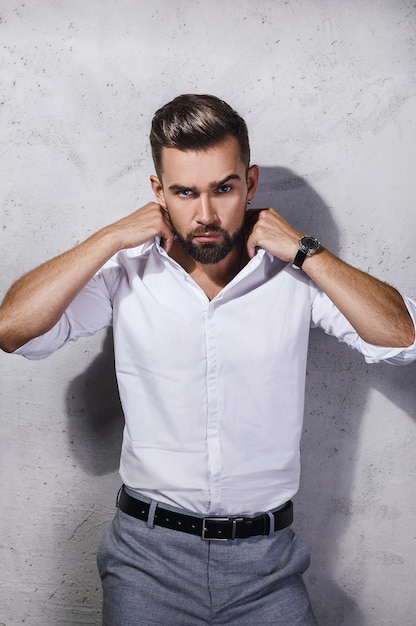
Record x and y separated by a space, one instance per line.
205 530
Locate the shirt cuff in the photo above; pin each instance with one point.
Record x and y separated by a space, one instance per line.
394 356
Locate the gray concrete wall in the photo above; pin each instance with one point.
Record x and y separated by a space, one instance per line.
328 88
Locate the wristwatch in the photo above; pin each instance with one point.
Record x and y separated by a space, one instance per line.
307 246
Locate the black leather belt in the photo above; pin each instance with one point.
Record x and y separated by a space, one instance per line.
208 528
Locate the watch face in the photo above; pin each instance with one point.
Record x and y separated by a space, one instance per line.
309 244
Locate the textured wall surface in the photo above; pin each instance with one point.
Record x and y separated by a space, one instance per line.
328 88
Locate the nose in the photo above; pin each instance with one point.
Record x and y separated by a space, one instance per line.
206 211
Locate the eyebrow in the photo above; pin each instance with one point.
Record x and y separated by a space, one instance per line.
213 185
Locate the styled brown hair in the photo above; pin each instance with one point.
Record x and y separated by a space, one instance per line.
196 122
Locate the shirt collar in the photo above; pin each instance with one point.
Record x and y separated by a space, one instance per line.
139 250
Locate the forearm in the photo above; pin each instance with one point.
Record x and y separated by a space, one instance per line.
36 302
375 310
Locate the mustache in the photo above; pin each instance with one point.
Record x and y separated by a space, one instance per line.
209 228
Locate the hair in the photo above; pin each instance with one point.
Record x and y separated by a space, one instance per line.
196 122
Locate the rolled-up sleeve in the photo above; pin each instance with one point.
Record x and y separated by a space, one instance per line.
89 312
326 316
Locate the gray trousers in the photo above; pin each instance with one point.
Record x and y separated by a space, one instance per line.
152 575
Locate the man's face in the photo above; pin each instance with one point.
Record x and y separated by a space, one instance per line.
205 193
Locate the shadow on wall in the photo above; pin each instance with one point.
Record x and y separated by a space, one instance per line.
338 382
95 416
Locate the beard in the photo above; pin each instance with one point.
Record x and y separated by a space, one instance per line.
206 252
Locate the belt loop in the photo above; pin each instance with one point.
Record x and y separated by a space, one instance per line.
272 520
151 516
118 495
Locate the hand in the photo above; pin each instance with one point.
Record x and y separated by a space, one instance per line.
266 229
149 221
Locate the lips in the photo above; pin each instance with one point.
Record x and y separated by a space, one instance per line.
208 236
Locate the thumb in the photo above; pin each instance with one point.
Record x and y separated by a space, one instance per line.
251 246
167 239
167 233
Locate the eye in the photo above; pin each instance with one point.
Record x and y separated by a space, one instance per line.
224 189
184 193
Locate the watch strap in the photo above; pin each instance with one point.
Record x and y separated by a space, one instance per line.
299 259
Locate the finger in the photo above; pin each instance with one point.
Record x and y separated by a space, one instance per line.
251 246
168 234
167 240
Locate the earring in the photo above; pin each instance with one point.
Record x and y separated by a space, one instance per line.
248 201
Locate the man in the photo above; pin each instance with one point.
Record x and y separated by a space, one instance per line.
211 307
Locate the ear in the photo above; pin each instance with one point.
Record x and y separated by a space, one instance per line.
252 180
158 190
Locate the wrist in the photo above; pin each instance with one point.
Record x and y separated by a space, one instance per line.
307 247
107 242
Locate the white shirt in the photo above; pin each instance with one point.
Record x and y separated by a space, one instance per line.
212 391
